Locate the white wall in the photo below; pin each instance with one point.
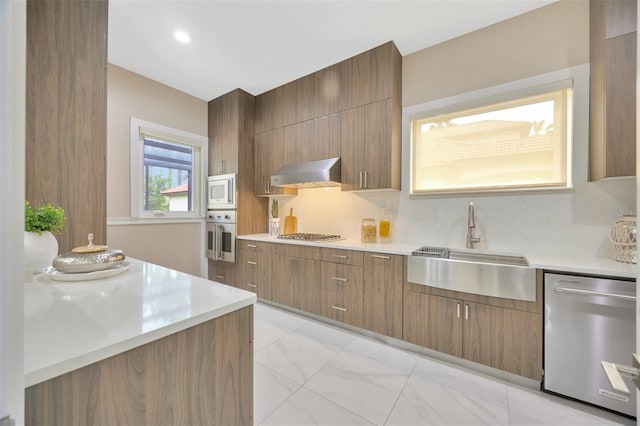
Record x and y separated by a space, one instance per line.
13 32
177 246
575 222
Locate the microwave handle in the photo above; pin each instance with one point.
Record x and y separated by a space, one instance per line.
217 253
230 193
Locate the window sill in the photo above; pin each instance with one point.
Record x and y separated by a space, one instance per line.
127 221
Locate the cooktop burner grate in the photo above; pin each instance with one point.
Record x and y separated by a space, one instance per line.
310 237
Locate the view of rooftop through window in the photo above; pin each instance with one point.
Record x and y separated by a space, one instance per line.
519 143
167 176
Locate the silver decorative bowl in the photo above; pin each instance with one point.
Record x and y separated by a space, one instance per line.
74 263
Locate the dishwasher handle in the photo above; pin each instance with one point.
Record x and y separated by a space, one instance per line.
593 293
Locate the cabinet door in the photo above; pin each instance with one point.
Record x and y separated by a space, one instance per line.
305 280
351 148
281 280
223 154
483 335
523 343
382 293
269 156
370 147
433 322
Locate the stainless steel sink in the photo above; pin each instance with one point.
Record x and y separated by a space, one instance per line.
496 275
498 259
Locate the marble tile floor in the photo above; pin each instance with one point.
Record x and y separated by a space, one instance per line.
310 373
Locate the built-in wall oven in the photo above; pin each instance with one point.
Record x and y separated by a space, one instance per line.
588 320
221 235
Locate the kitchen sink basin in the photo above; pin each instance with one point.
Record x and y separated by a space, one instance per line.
487 274
498 259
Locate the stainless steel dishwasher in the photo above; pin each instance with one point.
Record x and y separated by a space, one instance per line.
588 320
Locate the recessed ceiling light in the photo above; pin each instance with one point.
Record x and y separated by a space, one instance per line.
181 36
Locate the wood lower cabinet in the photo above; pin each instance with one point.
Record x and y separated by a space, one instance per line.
382 293
222 272
254 268
199 376
341 292
499 337
295 282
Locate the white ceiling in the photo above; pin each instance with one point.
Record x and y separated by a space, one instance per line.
259 45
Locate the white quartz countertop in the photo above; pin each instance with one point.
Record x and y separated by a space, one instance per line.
69 325
555 262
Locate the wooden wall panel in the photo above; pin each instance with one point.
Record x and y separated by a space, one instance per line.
202 375
66 113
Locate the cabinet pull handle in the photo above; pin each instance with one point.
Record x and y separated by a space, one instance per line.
466 312
344 280
251 262
340 256
338 308
252 285
252 246
377 256
365 180
458 309
360 185
220 276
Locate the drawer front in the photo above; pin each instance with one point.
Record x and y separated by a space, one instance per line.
340 307
339 278
254 246
347 257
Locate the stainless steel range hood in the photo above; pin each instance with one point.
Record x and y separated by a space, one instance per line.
308 174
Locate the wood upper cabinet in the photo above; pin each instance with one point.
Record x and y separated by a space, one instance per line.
269 154
310 140
382 293
612 100
223 156
370 147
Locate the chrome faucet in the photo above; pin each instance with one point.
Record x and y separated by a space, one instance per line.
471 223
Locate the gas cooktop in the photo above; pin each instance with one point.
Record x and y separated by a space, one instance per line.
310 237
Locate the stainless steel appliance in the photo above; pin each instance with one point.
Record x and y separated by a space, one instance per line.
221 191
588 320
302 236
221 235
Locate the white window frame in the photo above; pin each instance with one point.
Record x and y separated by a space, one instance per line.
570 77
140 129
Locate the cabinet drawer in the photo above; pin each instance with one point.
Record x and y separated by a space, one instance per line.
254 246
338 278
348 257
340 307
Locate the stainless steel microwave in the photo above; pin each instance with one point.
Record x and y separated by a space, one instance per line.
221 192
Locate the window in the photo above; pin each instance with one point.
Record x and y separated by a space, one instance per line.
167 171
520 140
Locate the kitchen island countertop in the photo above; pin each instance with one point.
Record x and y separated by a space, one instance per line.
548 261
69 325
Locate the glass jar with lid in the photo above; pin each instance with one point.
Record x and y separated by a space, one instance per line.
368 230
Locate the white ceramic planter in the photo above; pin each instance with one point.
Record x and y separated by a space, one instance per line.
39 250
274 227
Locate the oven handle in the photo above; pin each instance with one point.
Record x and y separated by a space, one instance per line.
218 246
594 293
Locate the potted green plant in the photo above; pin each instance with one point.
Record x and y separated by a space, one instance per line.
274 221
40 246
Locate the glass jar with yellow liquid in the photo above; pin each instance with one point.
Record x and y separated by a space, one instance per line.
384 227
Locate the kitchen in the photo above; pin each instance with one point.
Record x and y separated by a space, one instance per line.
577 222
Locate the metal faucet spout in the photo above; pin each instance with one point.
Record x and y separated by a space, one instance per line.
471 223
